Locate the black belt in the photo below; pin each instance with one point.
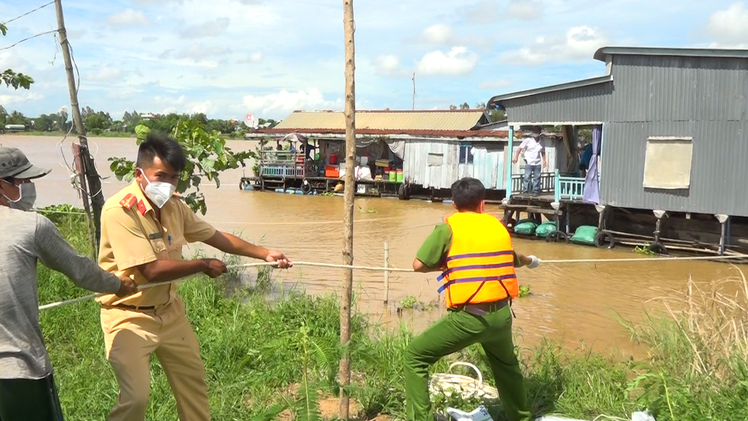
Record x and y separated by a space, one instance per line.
136 308
480 309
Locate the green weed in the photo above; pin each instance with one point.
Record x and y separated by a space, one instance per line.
278 360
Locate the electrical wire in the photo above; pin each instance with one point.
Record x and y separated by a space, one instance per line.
28 13
29 38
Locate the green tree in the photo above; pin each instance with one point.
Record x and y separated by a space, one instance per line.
45 122
96 122
16 117
11 78
207 156
496 115
63 119
3 116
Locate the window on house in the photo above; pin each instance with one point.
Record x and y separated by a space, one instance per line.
667 163
466 153
435 159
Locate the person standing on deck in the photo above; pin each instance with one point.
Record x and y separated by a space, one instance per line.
143 229
27 386
474 252
534 157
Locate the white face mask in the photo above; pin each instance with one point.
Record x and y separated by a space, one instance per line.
26 198
158 191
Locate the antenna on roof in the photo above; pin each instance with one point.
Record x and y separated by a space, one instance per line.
414 91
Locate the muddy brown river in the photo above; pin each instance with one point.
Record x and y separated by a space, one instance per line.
572 303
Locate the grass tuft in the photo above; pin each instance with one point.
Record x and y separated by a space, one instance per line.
278 359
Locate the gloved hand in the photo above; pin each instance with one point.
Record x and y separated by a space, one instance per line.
535 262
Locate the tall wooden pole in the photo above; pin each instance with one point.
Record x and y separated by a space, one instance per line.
89 178
350 187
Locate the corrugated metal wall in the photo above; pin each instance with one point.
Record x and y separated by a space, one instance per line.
704 98
589 103
417 170
488 163
678 96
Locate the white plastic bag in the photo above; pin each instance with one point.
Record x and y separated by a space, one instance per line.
478 414
641 416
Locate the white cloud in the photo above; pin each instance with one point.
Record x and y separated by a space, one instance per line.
181 104
208 29
579 43
387 65
19 97
495 84
525 9
490 11
437 34
197 53
459 61
106 74
284 102
486 11
255 57
729 27
157 2
443 34
129 17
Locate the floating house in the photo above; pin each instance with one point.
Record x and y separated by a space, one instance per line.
407 153
669 141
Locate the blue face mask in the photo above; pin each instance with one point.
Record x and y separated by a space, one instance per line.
26 197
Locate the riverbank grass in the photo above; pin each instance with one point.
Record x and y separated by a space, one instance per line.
278 359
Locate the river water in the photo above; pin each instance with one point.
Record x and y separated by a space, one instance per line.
572 303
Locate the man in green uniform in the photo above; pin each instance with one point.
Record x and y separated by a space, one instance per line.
474 251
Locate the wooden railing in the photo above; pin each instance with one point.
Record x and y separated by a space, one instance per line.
568 188
282 164
547 182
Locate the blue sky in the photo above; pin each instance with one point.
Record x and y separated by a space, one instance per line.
228 58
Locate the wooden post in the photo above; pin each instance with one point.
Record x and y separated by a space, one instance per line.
350 186
386 273
88 177
79 170
509 157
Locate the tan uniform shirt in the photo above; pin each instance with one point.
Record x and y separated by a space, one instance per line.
132 236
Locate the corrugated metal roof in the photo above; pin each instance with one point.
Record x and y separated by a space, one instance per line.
449 120
602 53
498 99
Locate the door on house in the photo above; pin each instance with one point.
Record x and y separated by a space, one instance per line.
486 164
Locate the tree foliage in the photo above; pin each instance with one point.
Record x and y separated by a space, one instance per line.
11 78
493 115
207 156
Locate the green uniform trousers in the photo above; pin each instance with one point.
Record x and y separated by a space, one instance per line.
452 333
29 400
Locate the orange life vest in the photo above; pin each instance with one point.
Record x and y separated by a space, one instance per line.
480 262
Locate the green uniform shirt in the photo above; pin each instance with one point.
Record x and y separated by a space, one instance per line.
433 252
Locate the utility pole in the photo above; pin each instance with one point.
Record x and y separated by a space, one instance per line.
348 198
414 91
88 177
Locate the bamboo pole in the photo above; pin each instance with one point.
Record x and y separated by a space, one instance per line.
350 186
386 273
88 176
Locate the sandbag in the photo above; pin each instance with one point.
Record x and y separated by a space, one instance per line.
585 234
525 227
545 228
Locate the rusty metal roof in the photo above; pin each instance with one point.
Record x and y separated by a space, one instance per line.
442 120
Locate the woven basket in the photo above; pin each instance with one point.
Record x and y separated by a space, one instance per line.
467 387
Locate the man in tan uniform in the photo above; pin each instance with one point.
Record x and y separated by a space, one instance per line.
143 229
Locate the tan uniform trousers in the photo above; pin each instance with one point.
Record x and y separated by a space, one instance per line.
130 338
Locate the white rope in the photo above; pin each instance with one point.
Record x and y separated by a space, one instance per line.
645 259
390 269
